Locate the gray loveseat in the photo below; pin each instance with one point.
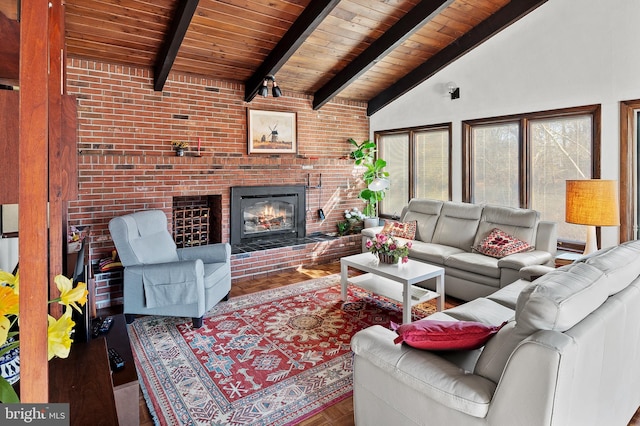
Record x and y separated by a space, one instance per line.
569 355
447 231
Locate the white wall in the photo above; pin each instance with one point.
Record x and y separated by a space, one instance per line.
565 53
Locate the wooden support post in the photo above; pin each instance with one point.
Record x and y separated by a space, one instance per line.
56 165
33 185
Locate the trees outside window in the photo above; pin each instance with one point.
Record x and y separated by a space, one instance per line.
419 165
524 161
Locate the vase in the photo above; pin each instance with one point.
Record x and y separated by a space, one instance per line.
180 152
371 222
387 258
10 363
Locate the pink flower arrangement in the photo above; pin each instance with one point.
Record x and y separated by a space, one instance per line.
384 244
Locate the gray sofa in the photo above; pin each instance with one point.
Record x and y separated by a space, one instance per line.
569 355
447 231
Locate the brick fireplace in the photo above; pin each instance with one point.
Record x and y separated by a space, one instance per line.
126 164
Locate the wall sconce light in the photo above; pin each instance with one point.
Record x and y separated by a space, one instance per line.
453 90
264 89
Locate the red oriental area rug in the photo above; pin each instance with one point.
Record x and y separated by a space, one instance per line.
275 357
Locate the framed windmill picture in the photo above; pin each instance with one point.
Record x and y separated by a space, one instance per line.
271 132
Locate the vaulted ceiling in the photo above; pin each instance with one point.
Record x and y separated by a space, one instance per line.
365 50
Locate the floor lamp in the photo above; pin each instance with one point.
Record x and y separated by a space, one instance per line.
592 202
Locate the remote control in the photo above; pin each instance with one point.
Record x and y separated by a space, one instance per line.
95 327
106 324
116 361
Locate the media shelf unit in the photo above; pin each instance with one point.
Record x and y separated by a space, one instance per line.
191 226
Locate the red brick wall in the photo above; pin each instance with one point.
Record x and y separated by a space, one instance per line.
126 162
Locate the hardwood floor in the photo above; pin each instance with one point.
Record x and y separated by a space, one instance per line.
340 414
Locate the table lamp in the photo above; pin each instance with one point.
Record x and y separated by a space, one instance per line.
592 202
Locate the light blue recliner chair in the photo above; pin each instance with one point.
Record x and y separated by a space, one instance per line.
160 279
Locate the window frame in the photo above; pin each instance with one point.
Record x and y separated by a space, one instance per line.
525 155
412 131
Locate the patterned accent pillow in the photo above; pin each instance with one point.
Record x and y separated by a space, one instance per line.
444 335
406 230
500 244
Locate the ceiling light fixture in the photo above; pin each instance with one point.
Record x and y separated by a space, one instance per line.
264 89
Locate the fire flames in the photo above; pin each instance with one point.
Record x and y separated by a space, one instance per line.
269 219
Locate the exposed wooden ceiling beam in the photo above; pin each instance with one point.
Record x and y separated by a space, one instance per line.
415 19
500 20
175 35
306 23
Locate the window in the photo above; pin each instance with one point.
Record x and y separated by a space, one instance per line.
419 165
524 161
495 152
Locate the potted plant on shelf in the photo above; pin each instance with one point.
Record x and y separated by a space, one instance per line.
179 147
352 223
374 177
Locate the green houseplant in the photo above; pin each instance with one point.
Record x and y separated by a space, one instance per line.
364 155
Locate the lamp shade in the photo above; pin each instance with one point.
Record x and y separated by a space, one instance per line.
379 184
263 90
592 202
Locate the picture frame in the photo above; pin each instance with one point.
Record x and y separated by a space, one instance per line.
271 132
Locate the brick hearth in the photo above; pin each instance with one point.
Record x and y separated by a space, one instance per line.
250 265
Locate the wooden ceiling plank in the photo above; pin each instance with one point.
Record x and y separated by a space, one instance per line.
245 17
306 23
233 48
217 71
283 11
115 22
110 38
97 8
175 35
225 29
506 16
402 30
116 56
396 9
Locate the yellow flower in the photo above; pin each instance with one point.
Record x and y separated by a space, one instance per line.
11 280
5 325
69 295
9 301
59 335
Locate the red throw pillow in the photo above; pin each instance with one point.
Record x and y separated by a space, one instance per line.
444 335
406 230
500 244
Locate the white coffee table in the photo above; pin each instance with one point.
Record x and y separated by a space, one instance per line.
383 279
